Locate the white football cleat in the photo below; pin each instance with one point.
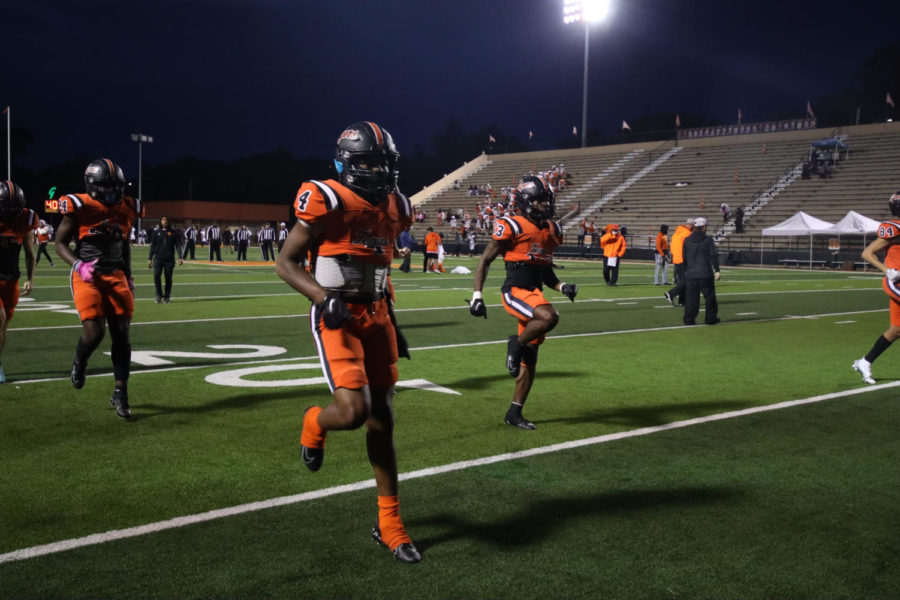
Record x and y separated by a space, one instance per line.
864 368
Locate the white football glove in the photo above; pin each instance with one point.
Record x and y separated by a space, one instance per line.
893 275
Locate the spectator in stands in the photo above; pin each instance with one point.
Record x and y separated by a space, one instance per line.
662 256
726 212
739 220
701 259
613 245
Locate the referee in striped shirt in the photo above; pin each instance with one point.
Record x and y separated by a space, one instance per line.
266 238
282 235
214 237
242 237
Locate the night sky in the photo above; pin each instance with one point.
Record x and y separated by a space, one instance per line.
228 78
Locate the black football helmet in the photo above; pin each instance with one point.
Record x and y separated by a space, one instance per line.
366 160
12 198
531 192
104 181
894 204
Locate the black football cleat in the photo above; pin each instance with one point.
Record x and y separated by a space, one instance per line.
77 374
119 401
404 552
519 421
513 355
311 457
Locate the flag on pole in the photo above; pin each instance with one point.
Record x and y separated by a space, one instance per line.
574 130
677 121
530 134
491 139
890 100
625 126
739 114
809 110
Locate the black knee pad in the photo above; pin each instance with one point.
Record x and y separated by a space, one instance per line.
530 355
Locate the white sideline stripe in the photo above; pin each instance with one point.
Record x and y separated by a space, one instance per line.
240 509
470 344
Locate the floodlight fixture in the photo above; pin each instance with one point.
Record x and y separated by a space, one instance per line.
141 139
587 12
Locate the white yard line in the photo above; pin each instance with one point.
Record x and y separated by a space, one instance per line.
442 346
177 522
462 304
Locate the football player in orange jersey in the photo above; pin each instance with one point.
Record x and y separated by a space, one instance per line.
353 223
888 241
17 226
100 222
526 242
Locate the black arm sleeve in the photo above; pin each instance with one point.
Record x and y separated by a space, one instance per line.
549 277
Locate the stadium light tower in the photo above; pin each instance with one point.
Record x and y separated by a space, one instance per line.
587 12
141 139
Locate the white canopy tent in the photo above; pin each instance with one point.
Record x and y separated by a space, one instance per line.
855 223
799 224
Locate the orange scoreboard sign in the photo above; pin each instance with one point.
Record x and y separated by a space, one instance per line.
51 206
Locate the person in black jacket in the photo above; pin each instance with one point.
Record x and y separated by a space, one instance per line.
165 245
701 259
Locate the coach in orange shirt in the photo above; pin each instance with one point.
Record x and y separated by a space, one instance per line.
613 245
662 256
677 249
432 247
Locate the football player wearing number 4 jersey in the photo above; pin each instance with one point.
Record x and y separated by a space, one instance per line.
888 240
100 222
353 223
526 242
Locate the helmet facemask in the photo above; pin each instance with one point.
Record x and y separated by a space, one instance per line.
894 204
12 198
535 198
105 181
366 160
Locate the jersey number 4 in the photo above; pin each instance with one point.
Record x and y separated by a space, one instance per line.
302 200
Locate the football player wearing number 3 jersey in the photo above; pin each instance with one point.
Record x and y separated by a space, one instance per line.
888 240
526 242
353 223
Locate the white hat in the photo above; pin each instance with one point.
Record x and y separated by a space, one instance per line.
699 222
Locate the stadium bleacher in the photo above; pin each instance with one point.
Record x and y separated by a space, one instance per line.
643 186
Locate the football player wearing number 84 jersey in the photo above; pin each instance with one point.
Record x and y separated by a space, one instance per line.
526 242
888 241
353 223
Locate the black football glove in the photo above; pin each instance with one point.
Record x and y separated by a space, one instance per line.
334 311
477 308
569 290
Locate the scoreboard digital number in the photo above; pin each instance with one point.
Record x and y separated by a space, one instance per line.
51 206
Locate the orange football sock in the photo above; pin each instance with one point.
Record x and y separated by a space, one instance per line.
312 435
392 530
